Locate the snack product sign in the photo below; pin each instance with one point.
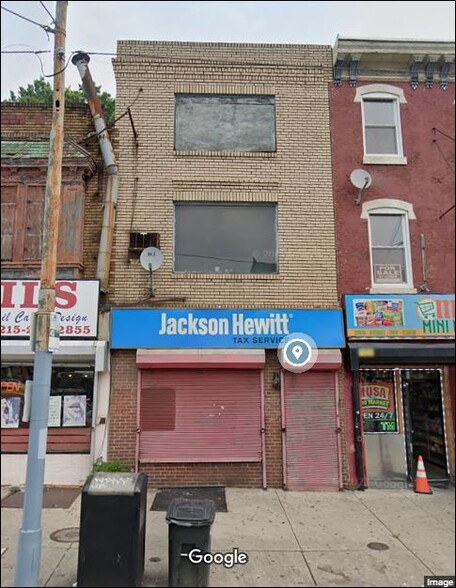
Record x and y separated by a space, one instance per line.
430 316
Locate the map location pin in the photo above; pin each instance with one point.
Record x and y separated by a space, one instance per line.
297 351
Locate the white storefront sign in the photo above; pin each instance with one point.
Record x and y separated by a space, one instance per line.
76 303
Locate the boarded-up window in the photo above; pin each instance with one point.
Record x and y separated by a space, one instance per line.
70 248
222 122
34 210
22 223
9 207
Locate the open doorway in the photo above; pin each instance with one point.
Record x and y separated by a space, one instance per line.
424 422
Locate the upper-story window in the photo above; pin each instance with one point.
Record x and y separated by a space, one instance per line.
225 238
389 243
224 122
382 134
22 224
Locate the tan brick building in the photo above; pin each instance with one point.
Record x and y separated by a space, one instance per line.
225 164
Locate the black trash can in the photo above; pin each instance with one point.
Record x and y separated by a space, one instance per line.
112 534
189 528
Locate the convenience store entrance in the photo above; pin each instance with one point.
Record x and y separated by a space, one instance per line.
424 422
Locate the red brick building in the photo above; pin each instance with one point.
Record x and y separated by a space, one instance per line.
392 129
80 378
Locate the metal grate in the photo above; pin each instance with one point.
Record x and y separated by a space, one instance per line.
52 498
216 493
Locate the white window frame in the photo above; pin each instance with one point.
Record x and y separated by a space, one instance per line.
396 96
398 208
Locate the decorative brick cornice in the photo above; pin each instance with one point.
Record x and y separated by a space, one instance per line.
414 61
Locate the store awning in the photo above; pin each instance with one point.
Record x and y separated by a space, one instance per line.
201 358
97 352
400 353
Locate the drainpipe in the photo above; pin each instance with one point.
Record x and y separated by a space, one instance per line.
358 431
81 61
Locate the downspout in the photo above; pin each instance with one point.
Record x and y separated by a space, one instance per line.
81 61
358 431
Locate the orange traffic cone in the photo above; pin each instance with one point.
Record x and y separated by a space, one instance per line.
421 482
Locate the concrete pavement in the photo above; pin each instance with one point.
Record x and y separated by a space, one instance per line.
291 538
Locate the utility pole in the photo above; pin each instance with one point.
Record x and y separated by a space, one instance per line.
29 546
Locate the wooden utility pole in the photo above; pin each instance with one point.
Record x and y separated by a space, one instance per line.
44 337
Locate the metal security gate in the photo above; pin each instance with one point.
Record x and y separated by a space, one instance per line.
200 415
311 448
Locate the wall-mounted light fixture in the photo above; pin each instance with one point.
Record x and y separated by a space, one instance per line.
276 381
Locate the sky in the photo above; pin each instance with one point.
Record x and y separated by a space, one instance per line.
96 27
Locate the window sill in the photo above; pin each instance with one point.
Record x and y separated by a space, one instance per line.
32 268
220 276
392 289
255 154
385 159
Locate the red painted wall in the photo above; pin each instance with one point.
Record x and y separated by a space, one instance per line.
427 181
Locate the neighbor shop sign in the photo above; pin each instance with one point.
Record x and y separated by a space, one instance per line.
411 316
214 328
76 301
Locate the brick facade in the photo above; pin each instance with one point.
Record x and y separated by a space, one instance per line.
33 122
297 177
425 180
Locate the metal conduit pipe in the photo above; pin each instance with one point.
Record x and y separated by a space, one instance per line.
81 60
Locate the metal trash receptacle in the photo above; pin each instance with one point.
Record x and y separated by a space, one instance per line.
112 533
189 528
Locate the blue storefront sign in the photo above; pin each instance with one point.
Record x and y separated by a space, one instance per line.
404 316
213 328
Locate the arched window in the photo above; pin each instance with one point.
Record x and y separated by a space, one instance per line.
382 134
389 244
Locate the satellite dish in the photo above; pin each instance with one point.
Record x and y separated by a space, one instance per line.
151 259
360 179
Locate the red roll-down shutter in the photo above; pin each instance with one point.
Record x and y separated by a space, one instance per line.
200 415
312 459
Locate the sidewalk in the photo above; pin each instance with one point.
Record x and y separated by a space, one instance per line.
291 538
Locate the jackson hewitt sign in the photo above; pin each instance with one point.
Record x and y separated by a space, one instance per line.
206 328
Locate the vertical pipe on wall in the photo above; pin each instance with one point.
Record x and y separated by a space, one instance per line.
284 428
263 432
358 431
93 424
338 430
81 60
138 421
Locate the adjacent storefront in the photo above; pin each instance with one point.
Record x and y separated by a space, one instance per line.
75 381
402 356
205 402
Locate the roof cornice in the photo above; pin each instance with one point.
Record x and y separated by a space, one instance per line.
409 60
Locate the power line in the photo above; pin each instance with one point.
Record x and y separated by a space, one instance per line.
46 9
27 52
46 28
203 61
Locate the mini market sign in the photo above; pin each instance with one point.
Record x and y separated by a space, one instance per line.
410 316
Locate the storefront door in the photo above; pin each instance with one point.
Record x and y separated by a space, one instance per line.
424 422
